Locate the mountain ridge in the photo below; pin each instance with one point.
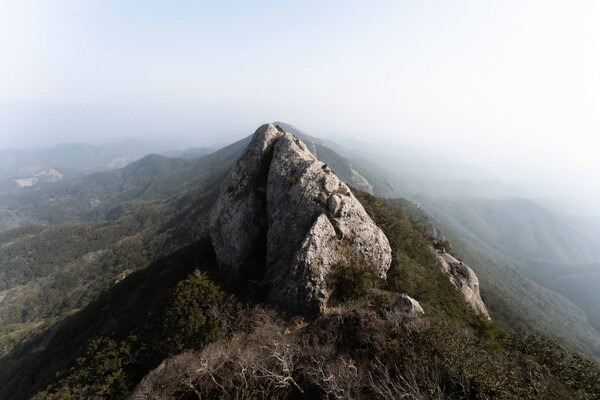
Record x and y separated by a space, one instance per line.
414 271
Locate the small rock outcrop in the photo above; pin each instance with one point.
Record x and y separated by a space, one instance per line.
46 175
360 182
284 220
408 305
464 279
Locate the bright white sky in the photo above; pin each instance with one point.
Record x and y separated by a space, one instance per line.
513 86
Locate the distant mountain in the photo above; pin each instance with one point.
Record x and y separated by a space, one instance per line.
76 159
409 171
154 177
151 178
516 227
95 228
17 164
577 282
192 152
46 175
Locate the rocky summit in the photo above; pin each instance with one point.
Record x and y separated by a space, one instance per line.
285 221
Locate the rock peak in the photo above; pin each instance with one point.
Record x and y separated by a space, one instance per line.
285 220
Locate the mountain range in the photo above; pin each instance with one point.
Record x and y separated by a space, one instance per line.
91 267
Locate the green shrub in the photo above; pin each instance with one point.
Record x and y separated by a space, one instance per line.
187 323
104 350
98 374
351 279
290 181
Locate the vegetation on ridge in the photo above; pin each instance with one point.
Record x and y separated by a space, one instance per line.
363 348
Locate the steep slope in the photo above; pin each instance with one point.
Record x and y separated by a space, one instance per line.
122 332
514 299
517 302
577 282
516 227
519 249
48 272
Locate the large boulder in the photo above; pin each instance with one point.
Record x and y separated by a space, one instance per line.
284 219
408 305
464 279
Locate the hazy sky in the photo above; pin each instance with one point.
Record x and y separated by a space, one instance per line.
511 85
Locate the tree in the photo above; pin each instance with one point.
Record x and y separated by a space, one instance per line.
187 323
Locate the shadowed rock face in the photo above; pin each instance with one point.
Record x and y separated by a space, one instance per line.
285 220
238 221
464 279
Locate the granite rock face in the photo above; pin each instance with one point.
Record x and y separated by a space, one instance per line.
238 221
285 220
464 279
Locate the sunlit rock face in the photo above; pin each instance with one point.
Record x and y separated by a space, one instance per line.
286 220
464 279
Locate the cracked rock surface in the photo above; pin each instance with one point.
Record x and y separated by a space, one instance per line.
284 219
464 279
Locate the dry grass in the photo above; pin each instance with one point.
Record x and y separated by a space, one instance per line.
267 357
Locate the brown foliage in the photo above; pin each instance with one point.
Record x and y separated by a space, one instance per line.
355 353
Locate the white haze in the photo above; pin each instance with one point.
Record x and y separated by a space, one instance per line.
508 86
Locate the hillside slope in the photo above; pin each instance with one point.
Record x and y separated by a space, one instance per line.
518 227
93 196
123 335
525 251
161 206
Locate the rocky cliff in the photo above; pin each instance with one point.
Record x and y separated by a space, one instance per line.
285 221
